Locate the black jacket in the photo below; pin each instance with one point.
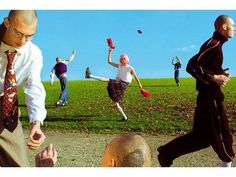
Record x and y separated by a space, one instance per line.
206 63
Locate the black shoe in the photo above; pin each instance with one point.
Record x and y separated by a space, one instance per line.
123 118
162 159
87 73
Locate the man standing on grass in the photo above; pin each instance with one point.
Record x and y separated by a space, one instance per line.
210 127
60 69
177 65
20 64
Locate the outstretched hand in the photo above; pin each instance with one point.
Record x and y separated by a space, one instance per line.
47 157
74 52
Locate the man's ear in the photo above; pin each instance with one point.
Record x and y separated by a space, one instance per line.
112 163
224 27
6 22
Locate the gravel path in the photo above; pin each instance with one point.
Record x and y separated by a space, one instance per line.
85 150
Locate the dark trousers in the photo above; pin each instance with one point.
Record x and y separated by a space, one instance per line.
210 128
176 74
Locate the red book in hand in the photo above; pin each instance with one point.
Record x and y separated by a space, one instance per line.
110 43
145 93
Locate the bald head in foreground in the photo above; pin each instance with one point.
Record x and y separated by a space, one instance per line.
127 150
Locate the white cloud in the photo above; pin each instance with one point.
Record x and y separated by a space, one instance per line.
186 48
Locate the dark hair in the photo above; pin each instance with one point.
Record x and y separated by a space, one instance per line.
133 159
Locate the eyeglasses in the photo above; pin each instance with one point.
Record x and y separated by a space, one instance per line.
18 34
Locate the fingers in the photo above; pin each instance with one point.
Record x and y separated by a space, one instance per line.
225 81
33 146
36 139
221 80
47 157
50 149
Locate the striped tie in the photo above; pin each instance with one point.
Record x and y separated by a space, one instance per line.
10 101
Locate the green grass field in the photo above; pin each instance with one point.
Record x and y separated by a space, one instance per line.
169 110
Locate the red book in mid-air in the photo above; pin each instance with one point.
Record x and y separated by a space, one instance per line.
110 43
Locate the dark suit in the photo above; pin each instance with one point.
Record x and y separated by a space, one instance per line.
210 127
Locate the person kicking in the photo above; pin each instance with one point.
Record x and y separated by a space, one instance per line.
116 87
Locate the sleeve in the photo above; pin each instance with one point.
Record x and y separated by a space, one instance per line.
198 66
34 90
68 60
52 75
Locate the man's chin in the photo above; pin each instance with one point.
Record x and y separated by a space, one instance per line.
17 46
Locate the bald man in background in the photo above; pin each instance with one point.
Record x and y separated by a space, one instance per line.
125 150
211 125
16 33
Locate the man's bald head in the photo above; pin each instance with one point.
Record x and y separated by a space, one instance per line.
20 26
224 25
27 16
127 150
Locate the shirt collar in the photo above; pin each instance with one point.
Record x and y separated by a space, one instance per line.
4 47
220 37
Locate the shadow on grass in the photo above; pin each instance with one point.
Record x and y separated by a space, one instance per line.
46 106
76 118
163 85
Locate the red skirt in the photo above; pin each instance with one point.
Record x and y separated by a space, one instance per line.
116 89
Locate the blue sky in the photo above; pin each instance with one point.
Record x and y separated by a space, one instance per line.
166 33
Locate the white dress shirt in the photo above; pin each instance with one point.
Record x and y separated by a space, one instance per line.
27 65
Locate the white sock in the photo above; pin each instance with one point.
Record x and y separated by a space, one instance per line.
121 111
99 78
226 164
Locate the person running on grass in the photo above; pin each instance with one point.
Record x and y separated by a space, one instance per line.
210 124
116 87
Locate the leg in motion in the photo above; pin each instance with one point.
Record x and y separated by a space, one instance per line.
124 117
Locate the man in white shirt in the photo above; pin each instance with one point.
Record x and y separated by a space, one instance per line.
16 33
60 69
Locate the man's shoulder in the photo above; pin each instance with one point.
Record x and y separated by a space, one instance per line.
33 46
